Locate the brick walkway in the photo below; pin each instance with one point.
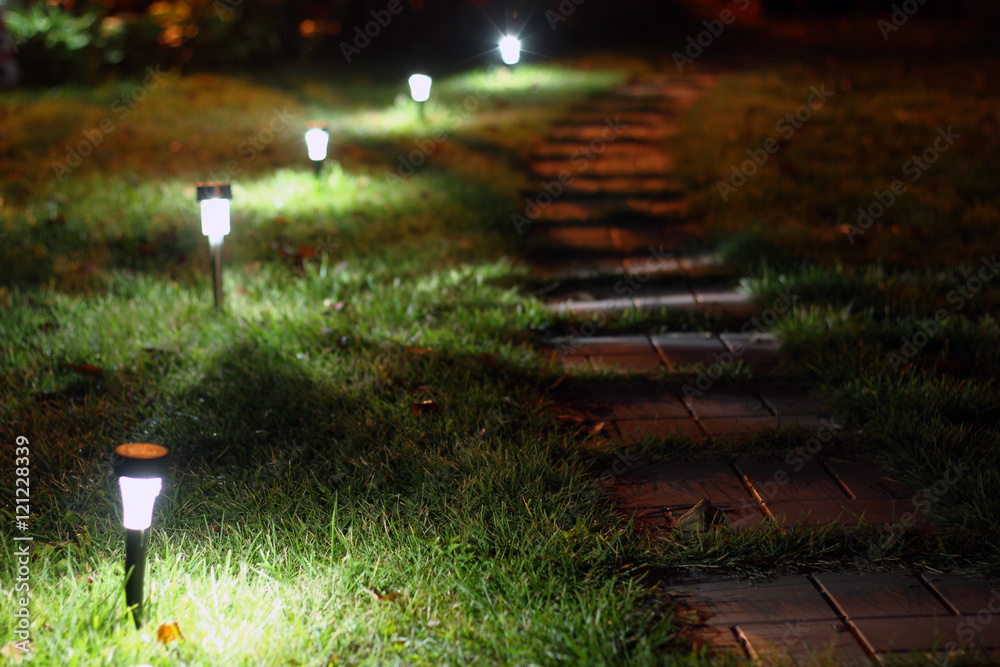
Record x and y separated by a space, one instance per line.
617 240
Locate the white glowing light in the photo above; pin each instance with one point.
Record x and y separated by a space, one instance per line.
510 50
420 87
215 219
138 496
317 140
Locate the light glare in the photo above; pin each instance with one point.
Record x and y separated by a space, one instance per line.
215 219
138 496
317 140
420 87
510 50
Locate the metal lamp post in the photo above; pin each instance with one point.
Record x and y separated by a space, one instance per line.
140 468
215 198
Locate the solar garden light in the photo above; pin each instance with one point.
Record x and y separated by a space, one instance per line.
510 50
214 198
420 90
317 141
140 468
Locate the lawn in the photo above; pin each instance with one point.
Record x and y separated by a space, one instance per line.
365 466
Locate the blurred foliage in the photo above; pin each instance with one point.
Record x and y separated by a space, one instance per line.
61 42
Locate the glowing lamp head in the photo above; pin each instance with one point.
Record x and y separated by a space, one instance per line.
140 467
214 198
420 87
510 50
317 140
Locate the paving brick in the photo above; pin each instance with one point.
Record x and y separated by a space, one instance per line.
642 162
597 211
791 401
658 406
779 481
737 426
803 643
626 363
666 300
663 428
625 117
584 133
967 595
591 309
623 186
635 344
923 633
688 349
562 269
639 238
760 350
880 595
730 603
651 266
726 404
575 236
866 480
704 265
667 485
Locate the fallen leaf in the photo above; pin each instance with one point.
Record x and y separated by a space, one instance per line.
335 307
598 427
11 651
419 350
701 516
425 408
378 596
306 252
168 632
87 370
488 359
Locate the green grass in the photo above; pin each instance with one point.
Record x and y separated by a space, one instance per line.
314 513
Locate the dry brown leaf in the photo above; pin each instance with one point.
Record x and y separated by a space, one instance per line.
13 653
383 598
598 427
168 632
488 359
87 370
